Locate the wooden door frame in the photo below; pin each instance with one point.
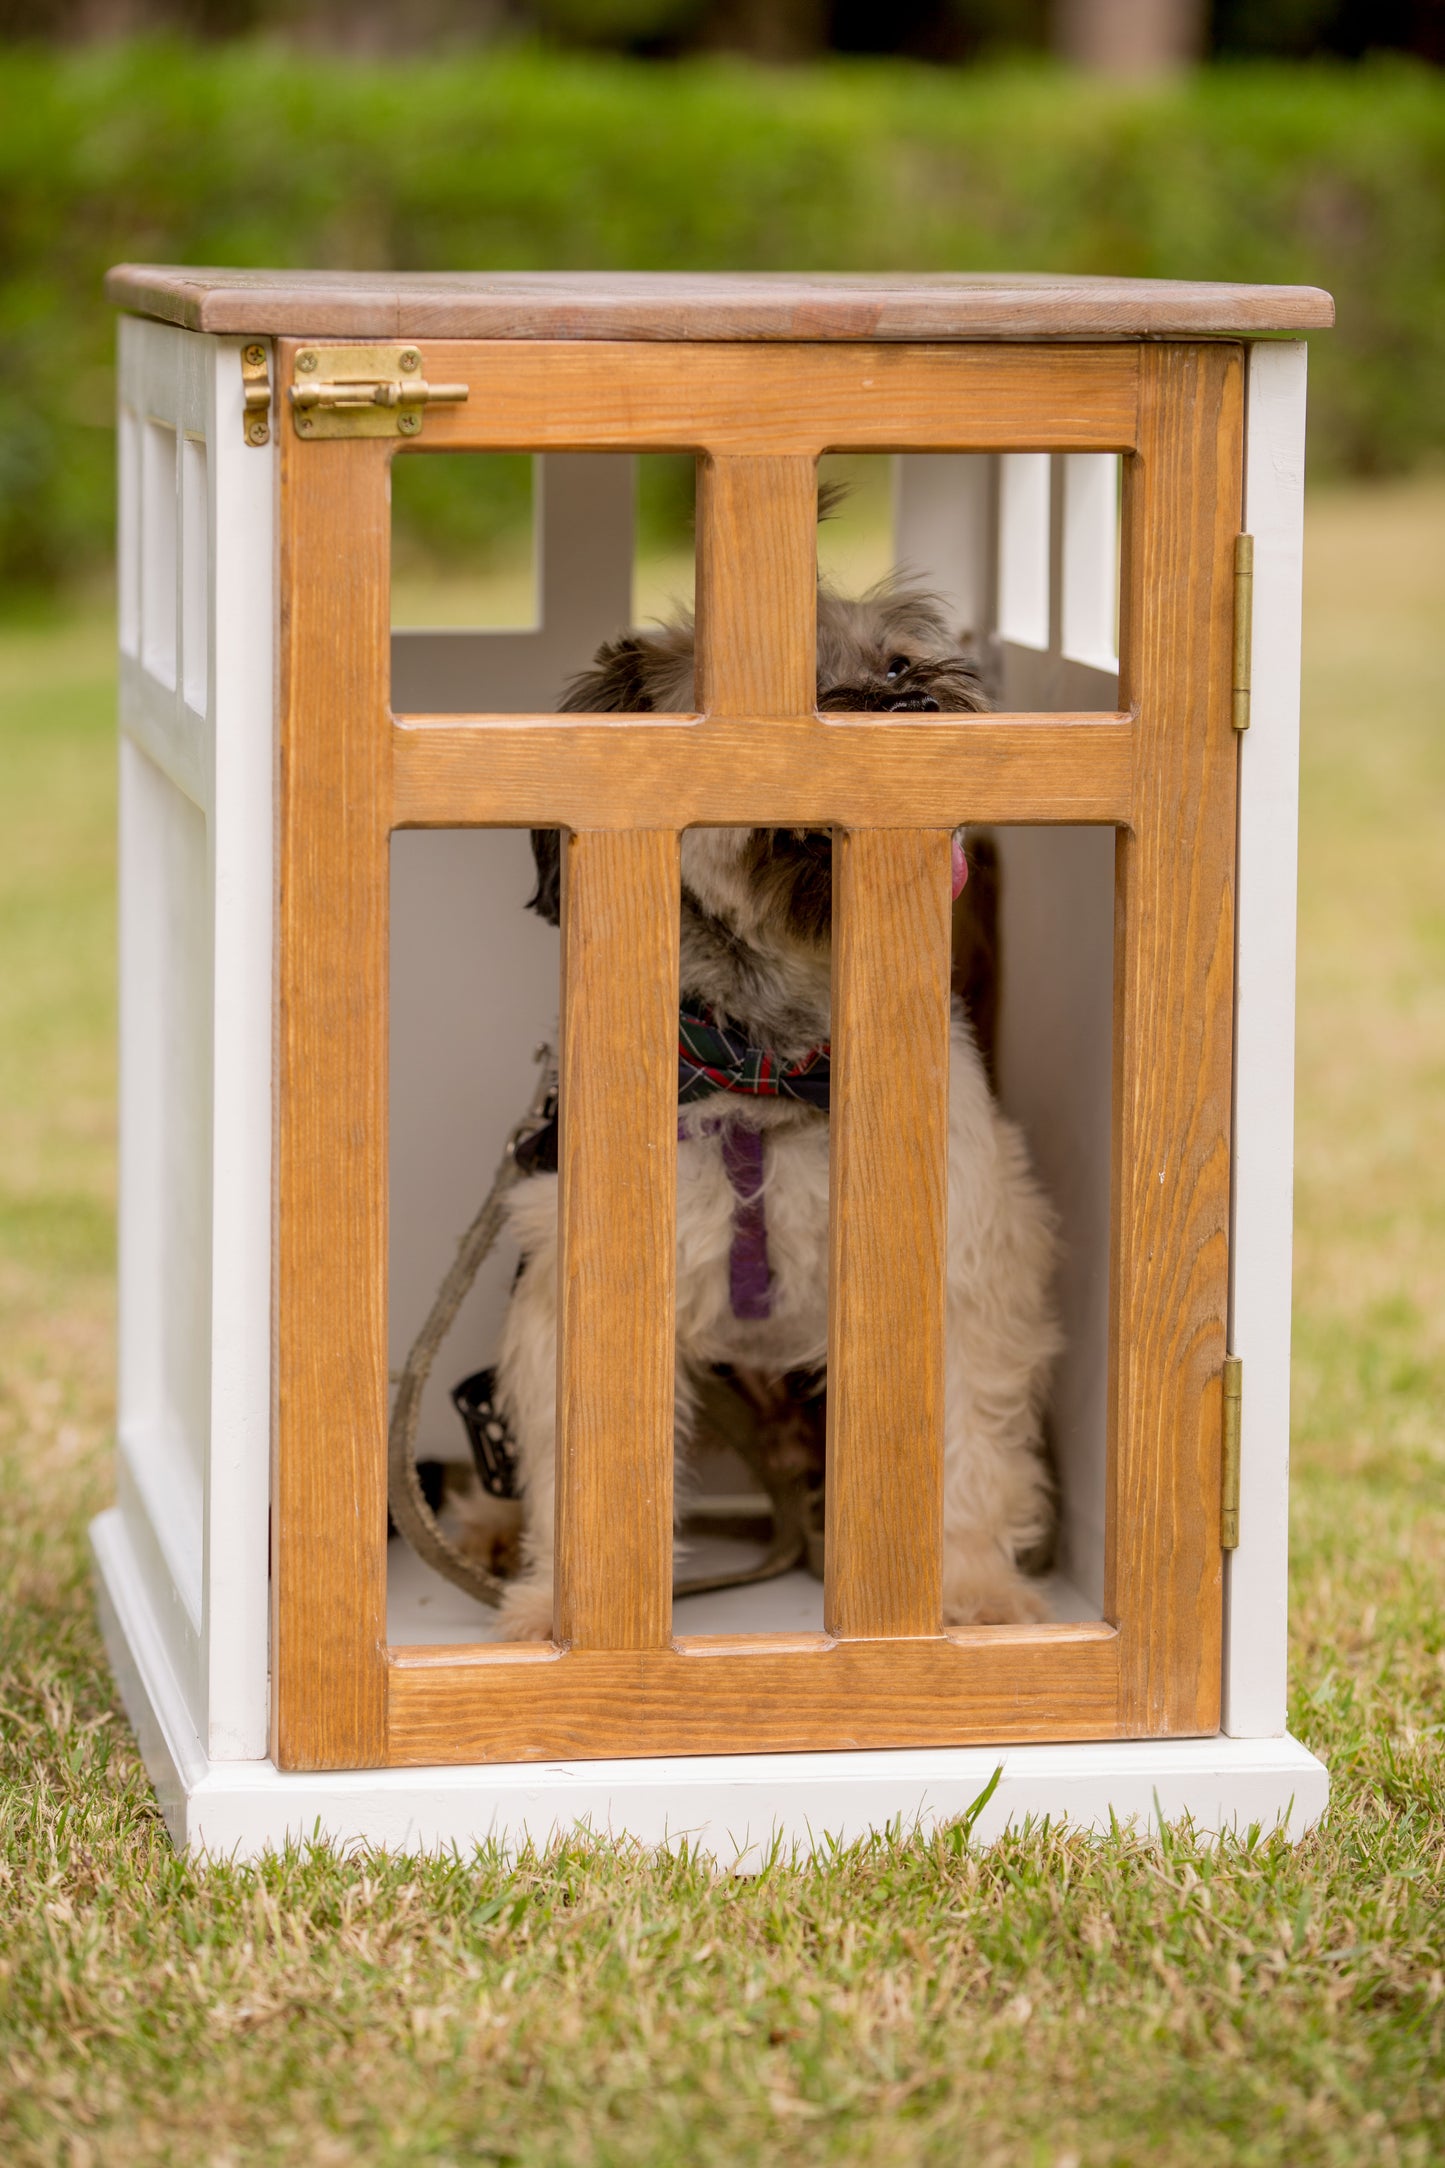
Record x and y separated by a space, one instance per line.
1161 771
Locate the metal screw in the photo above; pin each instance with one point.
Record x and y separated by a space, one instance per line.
254 357
306 359
304 425
409 358
257 432
408 423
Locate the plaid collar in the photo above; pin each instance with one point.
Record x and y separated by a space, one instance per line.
713 1055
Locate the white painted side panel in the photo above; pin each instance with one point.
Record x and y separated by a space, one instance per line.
197 607
234 676
166 1000
1261 1249
166 1087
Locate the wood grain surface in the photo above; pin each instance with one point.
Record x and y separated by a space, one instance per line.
329 1495
692 305
757 582
616 1270
1173 1013
1001 1685
888 1225
778 400
539 770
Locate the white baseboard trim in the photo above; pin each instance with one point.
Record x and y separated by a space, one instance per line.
733 1806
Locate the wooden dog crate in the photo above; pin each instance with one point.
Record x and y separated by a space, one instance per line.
330 996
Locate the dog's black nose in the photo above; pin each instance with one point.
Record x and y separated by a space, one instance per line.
918 705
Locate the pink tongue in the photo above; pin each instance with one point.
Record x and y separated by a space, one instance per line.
960 868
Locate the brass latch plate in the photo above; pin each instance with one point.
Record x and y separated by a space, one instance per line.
1243 627
256 392
1229 1458
364 391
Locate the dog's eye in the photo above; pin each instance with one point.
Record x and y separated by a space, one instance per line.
897 664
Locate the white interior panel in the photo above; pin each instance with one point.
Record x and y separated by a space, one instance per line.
474 988
1056 937
582 512
475 976
1055 1080
1023 548
942 506
1090 559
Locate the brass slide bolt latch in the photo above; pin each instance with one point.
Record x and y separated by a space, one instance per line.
364 391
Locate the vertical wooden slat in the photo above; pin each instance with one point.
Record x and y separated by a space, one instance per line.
618 1163
889 1209
1174 954
757 578
329 1497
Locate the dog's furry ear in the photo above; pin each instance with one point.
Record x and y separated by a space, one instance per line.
546 898
616 684
831 497
977 945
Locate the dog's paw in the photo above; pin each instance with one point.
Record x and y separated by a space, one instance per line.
487 1529
525 1612
1004 1599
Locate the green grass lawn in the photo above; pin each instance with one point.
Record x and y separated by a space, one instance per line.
1053 2001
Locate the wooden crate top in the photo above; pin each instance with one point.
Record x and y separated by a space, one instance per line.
688 305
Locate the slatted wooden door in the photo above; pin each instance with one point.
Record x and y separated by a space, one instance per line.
1161 773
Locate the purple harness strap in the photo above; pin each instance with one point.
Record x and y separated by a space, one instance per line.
749 1276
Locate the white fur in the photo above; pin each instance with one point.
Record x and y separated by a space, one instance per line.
1001 1334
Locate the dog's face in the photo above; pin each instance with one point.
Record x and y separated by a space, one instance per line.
889 653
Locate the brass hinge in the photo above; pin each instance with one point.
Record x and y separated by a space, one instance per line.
256 393
1229 1457
364 391
1243 626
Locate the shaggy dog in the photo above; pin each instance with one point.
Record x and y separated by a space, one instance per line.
756 938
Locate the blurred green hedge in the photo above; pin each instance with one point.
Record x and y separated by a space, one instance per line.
249 154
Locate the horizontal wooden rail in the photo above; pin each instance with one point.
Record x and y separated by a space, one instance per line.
549 771
755 1695
777 400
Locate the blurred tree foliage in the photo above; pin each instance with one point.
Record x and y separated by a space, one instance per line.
254 154
937 30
